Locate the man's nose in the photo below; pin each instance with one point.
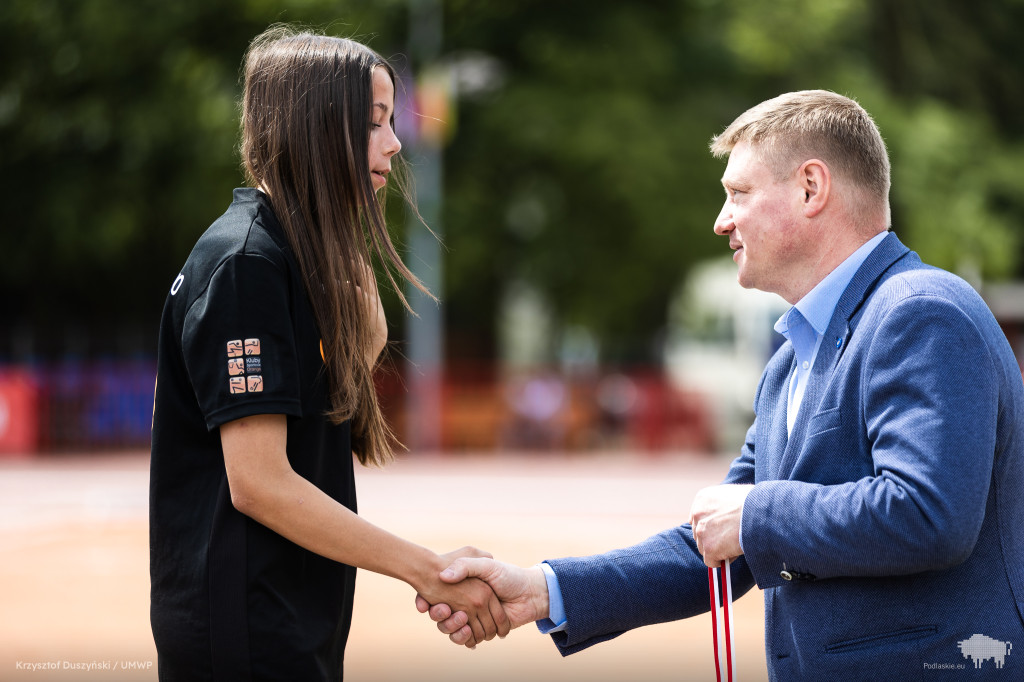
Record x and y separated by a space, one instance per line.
723 223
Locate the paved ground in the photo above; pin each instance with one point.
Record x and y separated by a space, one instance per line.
74 581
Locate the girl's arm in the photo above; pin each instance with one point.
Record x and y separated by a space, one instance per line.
265 487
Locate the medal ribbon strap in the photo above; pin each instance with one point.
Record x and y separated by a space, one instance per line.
713 589
721 598
730 653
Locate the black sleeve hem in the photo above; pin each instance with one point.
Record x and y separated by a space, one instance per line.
251 408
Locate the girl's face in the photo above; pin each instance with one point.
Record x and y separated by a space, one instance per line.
383 142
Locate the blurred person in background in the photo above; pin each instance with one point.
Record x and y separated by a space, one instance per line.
268 342
878 496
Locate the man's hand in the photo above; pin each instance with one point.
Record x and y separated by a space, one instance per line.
715 517
523 593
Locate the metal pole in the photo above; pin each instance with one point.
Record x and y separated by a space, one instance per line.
425 365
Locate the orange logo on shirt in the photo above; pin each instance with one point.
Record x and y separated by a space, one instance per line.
236 384
235 349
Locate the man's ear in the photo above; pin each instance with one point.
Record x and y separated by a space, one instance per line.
815 180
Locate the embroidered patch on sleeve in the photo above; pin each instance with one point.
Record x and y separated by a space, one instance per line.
245 366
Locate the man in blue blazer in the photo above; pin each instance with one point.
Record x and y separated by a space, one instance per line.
879 496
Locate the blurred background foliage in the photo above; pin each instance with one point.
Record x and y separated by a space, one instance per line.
577 170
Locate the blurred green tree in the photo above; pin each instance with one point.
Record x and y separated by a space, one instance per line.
581 168
587 173
118 131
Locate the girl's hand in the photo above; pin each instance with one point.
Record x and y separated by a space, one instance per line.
484 614
375 313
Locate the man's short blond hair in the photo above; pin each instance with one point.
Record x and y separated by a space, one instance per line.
789 129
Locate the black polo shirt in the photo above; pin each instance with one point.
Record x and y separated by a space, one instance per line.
231 599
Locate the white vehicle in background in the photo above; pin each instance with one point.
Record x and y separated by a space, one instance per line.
719 338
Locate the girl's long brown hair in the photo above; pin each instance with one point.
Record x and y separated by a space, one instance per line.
306 116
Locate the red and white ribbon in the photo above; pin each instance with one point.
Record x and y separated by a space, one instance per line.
721 626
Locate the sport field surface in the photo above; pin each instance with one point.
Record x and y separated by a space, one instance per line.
74 582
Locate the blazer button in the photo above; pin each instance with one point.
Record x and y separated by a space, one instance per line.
786 575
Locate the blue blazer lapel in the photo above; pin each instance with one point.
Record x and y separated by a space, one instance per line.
778 431
836 338
773 393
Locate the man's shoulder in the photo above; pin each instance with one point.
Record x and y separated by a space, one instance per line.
923 283
923 300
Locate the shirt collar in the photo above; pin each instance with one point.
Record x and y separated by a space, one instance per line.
818 305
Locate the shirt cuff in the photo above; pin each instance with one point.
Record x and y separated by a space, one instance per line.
555 622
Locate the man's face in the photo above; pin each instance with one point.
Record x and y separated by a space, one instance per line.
761 218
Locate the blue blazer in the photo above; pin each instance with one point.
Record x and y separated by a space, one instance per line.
888 529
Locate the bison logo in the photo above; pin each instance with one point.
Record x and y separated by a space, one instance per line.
980 648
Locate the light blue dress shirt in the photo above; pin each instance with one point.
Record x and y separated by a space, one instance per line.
804 325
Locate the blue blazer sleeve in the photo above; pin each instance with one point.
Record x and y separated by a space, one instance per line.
658 580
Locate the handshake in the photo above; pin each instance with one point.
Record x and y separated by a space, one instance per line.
475 597
479 597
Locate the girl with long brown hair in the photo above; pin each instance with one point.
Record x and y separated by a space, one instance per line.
268 341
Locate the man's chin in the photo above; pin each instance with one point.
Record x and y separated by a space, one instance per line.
745 280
